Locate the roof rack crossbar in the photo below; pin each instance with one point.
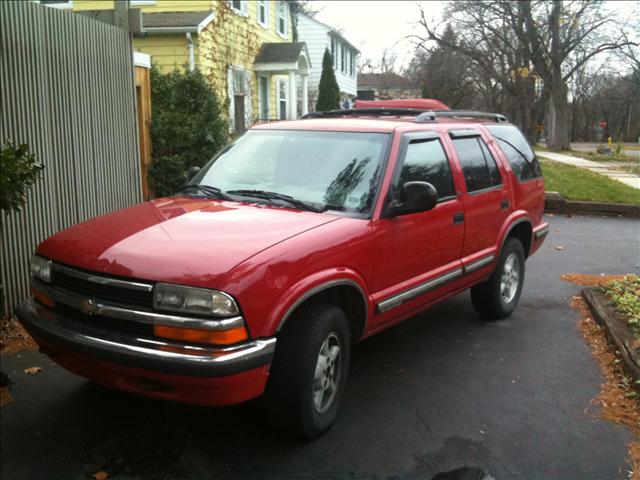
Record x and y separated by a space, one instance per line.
420 116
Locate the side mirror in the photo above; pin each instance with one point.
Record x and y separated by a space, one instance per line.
414 197
192 173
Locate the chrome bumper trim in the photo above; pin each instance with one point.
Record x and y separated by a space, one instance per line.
89 306
404 297
58 332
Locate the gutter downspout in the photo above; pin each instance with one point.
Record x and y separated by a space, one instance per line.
192 56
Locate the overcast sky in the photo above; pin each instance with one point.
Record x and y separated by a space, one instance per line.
373 26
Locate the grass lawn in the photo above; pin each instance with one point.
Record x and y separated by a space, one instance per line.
575 183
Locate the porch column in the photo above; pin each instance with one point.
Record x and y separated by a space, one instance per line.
305 94
293 100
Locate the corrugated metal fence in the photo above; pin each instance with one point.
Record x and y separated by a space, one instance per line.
67 87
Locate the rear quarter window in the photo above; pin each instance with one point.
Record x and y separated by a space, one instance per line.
521 157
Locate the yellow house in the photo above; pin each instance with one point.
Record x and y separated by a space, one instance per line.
244 48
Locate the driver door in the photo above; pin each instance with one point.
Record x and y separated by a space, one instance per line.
417 255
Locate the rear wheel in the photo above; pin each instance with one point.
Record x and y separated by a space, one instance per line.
309 371
498 296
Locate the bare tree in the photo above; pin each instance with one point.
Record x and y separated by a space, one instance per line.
561 38
550 39
484 35
443 73
387 61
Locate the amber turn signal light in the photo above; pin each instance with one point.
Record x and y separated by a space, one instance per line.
42 298
214 337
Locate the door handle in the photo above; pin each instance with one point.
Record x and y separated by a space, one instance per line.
504 204
458 218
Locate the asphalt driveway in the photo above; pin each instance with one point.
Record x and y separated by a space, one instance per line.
435 393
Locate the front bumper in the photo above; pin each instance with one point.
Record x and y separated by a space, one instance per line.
59 332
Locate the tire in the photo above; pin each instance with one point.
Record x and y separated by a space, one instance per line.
498 296
299 397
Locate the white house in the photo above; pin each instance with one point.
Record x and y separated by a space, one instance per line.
319 37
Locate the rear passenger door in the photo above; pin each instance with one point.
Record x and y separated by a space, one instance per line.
486 200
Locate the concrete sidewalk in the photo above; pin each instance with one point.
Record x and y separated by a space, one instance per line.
601 168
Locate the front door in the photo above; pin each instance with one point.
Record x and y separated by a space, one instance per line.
417 255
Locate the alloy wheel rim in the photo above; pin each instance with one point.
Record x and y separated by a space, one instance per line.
327 374
510 279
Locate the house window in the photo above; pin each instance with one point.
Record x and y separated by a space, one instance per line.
239 6
352 64
57 3
343 60
282 17
283 99
333 51
263 13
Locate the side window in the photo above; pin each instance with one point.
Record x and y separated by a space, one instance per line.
523 161
478 166
426 161
494 173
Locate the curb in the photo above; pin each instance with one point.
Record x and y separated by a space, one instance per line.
556 203
615 329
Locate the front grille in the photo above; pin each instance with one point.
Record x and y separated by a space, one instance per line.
103 293
108 324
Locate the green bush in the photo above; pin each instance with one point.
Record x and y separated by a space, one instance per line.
328 90
168 174
625 295
187 127
19 170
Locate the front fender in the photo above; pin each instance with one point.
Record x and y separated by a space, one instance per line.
312 285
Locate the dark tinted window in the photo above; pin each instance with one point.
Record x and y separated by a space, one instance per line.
479 168
494 173
426 161
518 152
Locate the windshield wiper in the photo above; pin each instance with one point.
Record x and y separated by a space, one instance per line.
275 196
208 190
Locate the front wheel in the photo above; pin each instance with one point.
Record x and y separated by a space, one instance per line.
309 371
498 296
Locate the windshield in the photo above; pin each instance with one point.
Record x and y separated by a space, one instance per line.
330 170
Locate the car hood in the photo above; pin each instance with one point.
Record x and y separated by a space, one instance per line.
183 240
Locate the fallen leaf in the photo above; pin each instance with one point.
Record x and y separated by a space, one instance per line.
5 397
101 475
559 247
32 370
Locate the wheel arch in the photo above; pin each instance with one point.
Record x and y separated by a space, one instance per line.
345 293
522 229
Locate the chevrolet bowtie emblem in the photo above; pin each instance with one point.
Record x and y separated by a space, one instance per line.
88 307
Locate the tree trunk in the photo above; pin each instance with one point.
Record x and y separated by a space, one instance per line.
558 137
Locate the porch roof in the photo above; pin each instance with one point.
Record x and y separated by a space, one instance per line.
176 22
289 56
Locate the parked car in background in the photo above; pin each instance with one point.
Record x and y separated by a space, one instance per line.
297 240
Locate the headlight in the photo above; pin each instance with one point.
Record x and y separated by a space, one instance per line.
193 300
40 268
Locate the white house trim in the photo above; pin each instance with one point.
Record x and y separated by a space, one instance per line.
265 4
141 60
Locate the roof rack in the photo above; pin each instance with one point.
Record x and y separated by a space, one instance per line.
421 116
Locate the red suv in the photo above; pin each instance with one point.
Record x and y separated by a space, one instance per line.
295 241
